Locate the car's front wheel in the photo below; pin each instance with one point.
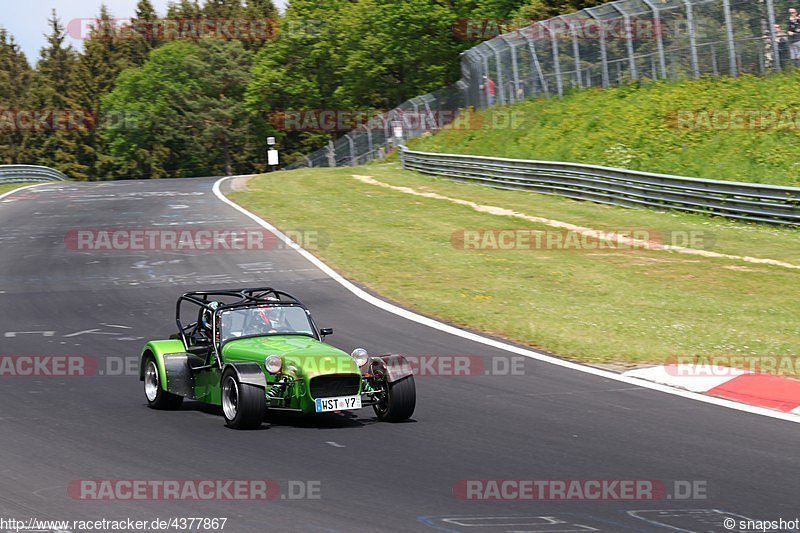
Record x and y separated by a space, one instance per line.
243 405
399 401
157 397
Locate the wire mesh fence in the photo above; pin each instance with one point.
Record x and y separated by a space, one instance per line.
609 45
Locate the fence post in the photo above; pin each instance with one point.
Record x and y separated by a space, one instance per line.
556 62
498 90
628 42
576 52
353 160
537 67
331 154
776 53
603 51
484 93
514 68
726 7
308 161
692 38
369 137
659 28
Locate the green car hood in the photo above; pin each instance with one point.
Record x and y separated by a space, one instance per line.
309 356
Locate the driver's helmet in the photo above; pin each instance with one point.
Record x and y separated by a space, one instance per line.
208 315
273 317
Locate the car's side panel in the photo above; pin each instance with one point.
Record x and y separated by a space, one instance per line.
180 377
207 385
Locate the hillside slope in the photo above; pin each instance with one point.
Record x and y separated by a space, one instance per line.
742 129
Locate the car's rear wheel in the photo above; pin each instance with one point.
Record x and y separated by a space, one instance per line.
243 405
157 397
399 401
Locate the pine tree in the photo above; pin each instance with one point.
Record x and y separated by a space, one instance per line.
223 9
105 55
15 81
143 34
184 10
58 144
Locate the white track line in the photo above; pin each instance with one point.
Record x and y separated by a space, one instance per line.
9 193
525 352
588 232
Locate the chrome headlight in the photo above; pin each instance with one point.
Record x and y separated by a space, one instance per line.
273 364
360 356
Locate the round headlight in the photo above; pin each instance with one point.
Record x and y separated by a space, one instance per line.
273 364
360 356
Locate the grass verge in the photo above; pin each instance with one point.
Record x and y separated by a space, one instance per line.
5 187
597 306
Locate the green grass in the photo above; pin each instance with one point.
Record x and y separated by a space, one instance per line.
11 186
636 127
601 307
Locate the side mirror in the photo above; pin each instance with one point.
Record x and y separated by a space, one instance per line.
326 331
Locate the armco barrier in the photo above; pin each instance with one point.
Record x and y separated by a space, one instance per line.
29 173
741 201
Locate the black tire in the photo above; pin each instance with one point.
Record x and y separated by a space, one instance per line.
157 397
243 405
401 400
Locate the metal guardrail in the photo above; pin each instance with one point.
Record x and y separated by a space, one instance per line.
29 173
742 201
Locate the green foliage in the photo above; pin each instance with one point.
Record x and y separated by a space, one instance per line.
184 112
661 127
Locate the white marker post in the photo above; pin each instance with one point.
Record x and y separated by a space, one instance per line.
273 158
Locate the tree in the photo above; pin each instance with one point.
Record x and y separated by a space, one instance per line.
184 10
187 100
393 50
223 9
105 55
143 33
15 82
57 144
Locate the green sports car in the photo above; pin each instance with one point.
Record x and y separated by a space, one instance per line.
254 350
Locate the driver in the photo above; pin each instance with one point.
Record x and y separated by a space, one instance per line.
273 318
203 333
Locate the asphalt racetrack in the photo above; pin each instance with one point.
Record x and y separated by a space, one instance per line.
542 422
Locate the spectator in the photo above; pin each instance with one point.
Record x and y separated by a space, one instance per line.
489 86
793 31
780 41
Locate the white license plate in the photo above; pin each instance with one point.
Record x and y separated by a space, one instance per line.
340 403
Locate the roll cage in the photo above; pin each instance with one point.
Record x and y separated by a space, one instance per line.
227 300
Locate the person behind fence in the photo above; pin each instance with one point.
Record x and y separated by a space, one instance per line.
793 31
781 39
489 86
